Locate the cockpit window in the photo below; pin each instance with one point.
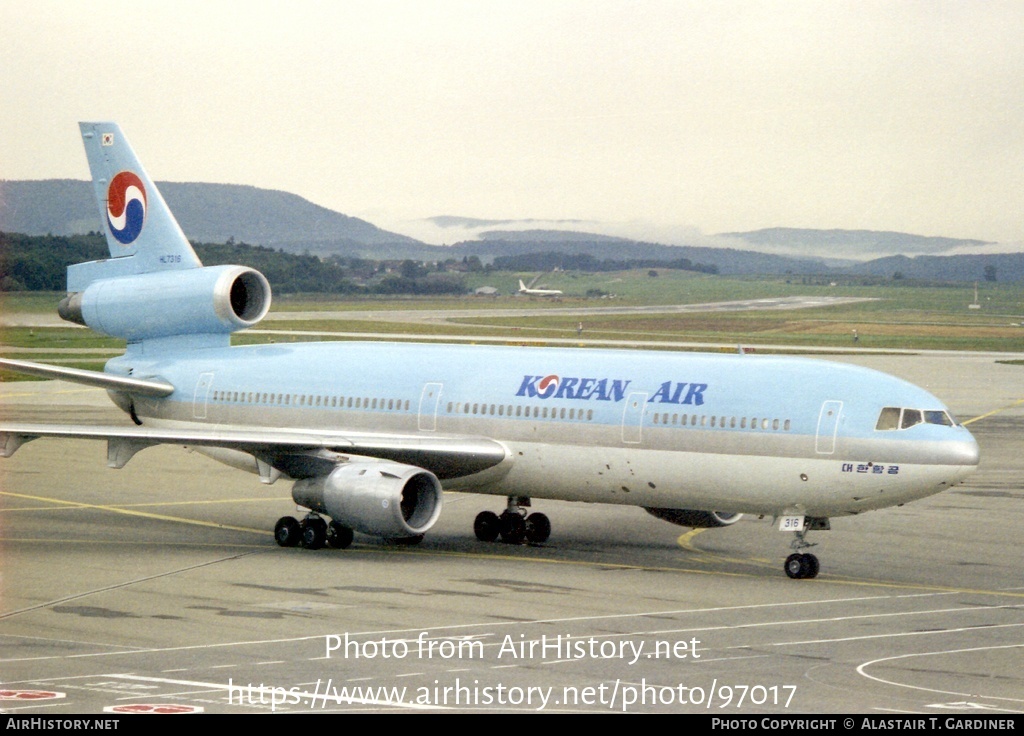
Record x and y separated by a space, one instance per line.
939 417
892 417
889 418
910 418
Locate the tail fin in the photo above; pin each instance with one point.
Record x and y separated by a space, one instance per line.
153 287
136 220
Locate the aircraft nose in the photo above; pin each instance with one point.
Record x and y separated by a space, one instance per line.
963 451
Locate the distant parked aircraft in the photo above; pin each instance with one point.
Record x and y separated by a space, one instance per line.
537 292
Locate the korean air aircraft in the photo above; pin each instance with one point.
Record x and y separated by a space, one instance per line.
370 433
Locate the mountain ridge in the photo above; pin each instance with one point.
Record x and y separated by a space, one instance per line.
206 212
217 213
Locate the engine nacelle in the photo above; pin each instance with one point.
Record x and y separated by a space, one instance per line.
695 519
195 301
381 498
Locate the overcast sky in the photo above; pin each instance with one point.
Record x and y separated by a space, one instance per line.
662 118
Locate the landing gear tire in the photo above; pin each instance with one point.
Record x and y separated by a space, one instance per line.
338 536
801 566
314 533
487 526
287 532
812 565
538 528
513 525
513 528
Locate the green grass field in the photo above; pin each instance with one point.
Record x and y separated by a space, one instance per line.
900 315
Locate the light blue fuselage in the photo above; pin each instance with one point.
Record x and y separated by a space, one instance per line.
736 433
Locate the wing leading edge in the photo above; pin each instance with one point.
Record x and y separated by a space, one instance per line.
297 454
140 387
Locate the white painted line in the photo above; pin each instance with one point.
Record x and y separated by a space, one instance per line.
861 670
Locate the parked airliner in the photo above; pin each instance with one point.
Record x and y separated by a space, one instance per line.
524 289
372 432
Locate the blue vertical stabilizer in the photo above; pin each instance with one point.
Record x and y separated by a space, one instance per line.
141 232
153 287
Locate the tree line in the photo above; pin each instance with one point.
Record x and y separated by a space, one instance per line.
39 263
588 263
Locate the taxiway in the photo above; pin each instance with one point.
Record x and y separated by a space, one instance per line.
160 585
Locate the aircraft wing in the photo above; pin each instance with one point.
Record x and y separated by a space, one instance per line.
296 453
138 386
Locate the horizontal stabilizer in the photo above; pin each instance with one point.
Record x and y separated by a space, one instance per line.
136 386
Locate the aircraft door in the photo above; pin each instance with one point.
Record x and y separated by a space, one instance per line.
430 400
828 427
201 395
633 418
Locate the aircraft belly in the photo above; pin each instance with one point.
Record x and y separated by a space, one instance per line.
734 483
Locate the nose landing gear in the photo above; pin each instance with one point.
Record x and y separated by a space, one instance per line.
801 565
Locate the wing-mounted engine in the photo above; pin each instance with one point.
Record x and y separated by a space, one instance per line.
380 498
695 519
196 301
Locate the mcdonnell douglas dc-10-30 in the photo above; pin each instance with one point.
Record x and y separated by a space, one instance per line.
371 432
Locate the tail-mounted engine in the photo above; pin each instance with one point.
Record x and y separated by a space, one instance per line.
380 498
197 301
695 519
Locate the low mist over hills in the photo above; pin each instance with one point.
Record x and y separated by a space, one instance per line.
218 213
855 245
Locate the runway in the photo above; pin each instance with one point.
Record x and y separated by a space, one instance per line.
580 309
160 586
550 308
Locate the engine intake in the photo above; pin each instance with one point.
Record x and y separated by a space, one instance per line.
695 519
381 498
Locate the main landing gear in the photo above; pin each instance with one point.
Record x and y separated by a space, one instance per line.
514 526
312 533
800 565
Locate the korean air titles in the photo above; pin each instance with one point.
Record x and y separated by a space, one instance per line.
607 389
